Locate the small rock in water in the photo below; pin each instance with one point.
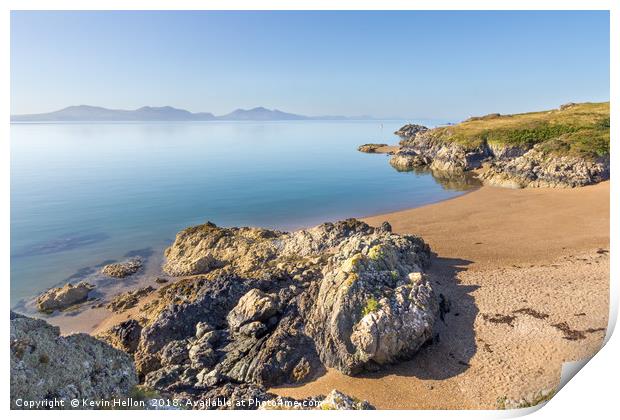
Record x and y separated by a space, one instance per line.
123 269
371 147
61 298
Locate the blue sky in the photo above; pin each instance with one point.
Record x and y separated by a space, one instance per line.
386 64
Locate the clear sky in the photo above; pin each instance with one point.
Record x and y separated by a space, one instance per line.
386 64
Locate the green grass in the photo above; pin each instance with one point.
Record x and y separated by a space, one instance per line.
578 130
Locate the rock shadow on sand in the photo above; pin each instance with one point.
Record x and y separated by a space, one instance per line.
454 343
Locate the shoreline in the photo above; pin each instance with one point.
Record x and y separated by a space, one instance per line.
512 264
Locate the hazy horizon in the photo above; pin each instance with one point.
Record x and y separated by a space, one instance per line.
398 64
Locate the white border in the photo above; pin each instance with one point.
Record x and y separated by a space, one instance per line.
592 395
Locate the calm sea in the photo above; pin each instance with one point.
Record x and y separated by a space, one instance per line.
87 193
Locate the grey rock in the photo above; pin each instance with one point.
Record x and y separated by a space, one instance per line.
175 353
253 306
122 302
45 365
123 269
124 336
535 169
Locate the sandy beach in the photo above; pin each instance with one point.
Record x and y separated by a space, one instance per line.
526 276
526 273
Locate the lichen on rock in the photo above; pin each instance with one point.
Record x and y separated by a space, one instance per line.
266 307
45 365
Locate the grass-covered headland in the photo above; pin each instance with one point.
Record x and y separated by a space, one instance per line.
573 129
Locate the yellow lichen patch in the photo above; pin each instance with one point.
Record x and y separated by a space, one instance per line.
351 278
352 264
415 277
375 253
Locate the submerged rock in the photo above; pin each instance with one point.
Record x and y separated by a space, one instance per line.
267 307
123 269
61 298
45 365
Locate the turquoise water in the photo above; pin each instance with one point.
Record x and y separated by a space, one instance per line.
82 194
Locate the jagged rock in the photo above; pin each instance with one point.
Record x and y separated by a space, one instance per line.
45 365
300 302
124 336
254 306
128 300
233 397
175 353
410 130
61 298
371 147
201 353
336 400
123 269
538 169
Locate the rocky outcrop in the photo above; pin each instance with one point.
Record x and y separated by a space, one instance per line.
123 269
410 130
45 365
124 336
371 147
535 169
422 148
496 164
266 307
61 298
127 300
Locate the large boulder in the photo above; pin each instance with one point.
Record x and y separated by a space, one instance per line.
61 298
374 305
45 365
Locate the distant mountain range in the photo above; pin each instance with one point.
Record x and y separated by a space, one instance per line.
168 113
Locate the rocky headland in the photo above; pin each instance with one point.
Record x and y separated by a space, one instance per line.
567 147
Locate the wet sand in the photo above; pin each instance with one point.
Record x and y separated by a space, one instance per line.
527 275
